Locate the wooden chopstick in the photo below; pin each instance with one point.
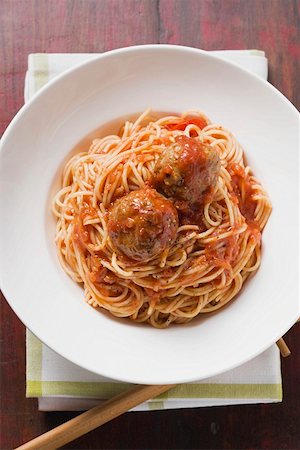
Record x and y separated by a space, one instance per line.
284 350
93 418
281 344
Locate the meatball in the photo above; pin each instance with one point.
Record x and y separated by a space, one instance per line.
142 224
186 170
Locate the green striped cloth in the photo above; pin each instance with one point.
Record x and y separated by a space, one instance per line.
61 385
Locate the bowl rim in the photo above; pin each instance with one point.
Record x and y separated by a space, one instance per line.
106 55
133 49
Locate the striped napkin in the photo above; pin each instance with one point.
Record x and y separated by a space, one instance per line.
61 385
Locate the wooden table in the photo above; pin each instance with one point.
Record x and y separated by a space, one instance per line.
28 26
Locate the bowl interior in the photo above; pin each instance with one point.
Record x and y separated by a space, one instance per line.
39 140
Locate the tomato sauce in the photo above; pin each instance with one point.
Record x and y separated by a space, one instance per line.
243 190
191 214
185 121
223 256
88 210
243 195
153 295
81 233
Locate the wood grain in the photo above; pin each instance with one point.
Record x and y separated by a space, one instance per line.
28 26
94 417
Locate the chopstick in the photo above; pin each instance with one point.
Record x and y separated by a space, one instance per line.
95 417
281 344
284 350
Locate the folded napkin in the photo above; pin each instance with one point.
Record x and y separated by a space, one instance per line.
61 385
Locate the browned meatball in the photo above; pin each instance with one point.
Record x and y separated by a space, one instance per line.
142 224
186 170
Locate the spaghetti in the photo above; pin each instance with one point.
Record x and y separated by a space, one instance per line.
162 221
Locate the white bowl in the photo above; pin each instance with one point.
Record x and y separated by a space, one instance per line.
38 141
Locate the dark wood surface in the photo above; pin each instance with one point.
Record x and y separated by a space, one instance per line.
28 26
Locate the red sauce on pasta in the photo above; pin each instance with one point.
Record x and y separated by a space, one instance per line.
243 193
154 177
243 189
181 124
81 232
224 252
81 235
